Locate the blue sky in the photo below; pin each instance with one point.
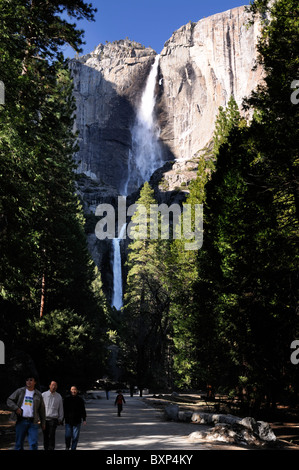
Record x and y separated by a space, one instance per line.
150 22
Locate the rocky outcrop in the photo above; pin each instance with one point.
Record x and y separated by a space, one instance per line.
201 66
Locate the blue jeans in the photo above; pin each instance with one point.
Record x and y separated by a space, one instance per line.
26 427
72 433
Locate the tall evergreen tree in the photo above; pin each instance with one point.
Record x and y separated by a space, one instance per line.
146 311
249 255
196 351
45 264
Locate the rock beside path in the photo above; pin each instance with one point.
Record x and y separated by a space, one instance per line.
224 427
236 433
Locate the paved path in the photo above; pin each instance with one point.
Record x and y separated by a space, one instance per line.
140 427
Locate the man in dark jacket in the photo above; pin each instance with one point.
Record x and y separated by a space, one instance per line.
74 413
28 410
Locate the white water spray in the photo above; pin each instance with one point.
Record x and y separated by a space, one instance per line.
117 298
146 155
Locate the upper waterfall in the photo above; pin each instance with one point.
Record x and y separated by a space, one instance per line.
146 154
145 113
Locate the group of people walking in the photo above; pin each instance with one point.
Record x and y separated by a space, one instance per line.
30 407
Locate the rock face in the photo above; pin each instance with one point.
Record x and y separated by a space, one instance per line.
201 66
107 84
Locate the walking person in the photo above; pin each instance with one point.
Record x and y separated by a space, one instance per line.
74 413
28 409
119 400
54 415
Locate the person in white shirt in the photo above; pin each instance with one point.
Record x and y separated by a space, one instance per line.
28 409
54 415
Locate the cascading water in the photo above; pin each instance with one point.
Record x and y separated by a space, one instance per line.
145 158
117 298
146 154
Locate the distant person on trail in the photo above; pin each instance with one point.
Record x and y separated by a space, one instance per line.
107 389
74 413
119 400
54 415
28 409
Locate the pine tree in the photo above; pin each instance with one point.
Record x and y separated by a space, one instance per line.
45 264
195 352
37 144
249 254
146 303
226 120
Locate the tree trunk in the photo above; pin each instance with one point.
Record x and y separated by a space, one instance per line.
42 300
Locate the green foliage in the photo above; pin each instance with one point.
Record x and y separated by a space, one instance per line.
234 316
45 263
229 310
226 120
146 310
193 328
246 287
65 341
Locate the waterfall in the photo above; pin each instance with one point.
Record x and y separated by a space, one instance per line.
145 158
146 154
117 298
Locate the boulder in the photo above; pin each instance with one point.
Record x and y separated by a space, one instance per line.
185 416
224 427
233 430
213 418
172 412
265 432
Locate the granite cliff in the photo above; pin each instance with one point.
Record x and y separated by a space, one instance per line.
107 84
200 67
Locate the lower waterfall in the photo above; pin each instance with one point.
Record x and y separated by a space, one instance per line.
117 298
